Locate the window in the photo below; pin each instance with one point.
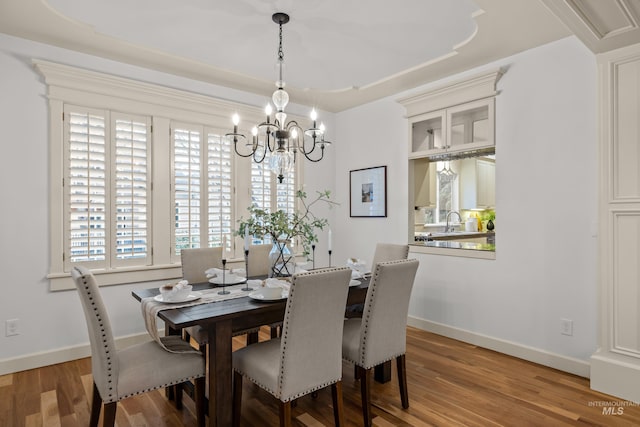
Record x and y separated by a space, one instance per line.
146 171
202 190
106 185
267 193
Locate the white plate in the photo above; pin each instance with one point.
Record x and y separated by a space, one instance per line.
354 282
191 297
258 295
228 280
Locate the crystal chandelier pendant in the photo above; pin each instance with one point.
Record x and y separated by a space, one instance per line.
277 139
281 163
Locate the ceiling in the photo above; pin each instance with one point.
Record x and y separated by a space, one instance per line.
338 53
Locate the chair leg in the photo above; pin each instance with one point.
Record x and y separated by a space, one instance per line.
338 409
356 372
199 393
252 338
365 391
237 398
109 419
402 380
177 394
96 405
285 414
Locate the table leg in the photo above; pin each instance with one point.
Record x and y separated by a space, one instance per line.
170 392
220 374
382 372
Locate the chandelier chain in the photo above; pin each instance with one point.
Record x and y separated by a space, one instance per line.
280 52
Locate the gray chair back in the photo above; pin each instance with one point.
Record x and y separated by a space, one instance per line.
196 261
384 320
389 252
311 340
259 260
104 361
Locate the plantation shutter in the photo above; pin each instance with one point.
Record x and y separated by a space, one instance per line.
187 166
268 194
86 188
219 189
131 180
107 180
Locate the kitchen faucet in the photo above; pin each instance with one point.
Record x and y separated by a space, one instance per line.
446 228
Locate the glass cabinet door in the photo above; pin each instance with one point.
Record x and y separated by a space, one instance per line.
428 134
471 125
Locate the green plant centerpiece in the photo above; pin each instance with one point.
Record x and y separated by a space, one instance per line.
282 228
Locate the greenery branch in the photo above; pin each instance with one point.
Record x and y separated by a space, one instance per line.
280 226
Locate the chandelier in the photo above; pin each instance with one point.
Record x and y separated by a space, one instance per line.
282 139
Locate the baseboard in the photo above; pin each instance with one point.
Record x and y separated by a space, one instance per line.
616 374
535 355
38 360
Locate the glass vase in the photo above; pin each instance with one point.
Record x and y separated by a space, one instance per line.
280 259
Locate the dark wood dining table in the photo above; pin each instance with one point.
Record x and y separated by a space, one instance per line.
221 319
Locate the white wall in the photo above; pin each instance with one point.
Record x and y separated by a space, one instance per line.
53 321
546 195
546 200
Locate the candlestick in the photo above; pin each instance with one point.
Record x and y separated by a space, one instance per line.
224 281
329 241
329 257
313 254
246 269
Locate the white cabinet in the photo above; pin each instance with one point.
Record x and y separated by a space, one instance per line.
477 183
465 127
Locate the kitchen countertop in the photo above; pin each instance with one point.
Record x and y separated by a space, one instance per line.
451 244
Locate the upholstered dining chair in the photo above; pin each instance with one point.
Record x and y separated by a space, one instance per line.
389 252
119 374
198 260
380 335
259 260
194 264
307 356
383 252
259 265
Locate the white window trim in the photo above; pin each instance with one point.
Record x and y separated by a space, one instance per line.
71 85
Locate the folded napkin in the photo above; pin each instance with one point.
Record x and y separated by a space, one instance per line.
358 268
277 283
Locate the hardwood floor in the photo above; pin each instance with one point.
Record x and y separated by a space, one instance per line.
450 384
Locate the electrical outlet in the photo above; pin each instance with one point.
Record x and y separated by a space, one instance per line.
11 327
566 327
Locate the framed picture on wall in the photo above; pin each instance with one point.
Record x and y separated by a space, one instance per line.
368 192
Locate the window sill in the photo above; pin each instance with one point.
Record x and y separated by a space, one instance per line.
63 281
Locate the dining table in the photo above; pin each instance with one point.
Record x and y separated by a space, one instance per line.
221 319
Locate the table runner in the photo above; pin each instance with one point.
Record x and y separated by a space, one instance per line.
174 343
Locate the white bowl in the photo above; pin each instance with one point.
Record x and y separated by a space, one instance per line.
272 292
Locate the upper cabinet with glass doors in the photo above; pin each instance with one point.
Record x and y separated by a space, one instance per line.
465 127
455 118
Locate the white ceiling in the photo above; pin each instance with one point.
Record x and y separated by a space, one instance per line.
338 53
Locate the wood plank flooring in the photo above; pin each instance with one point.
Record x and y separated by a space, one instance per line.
450 384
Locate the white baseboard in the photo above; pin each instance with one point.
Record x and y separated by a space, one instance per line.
535 355
38 360
616 374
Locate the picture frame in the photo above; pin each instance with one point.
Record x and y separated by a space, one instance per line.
368 192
